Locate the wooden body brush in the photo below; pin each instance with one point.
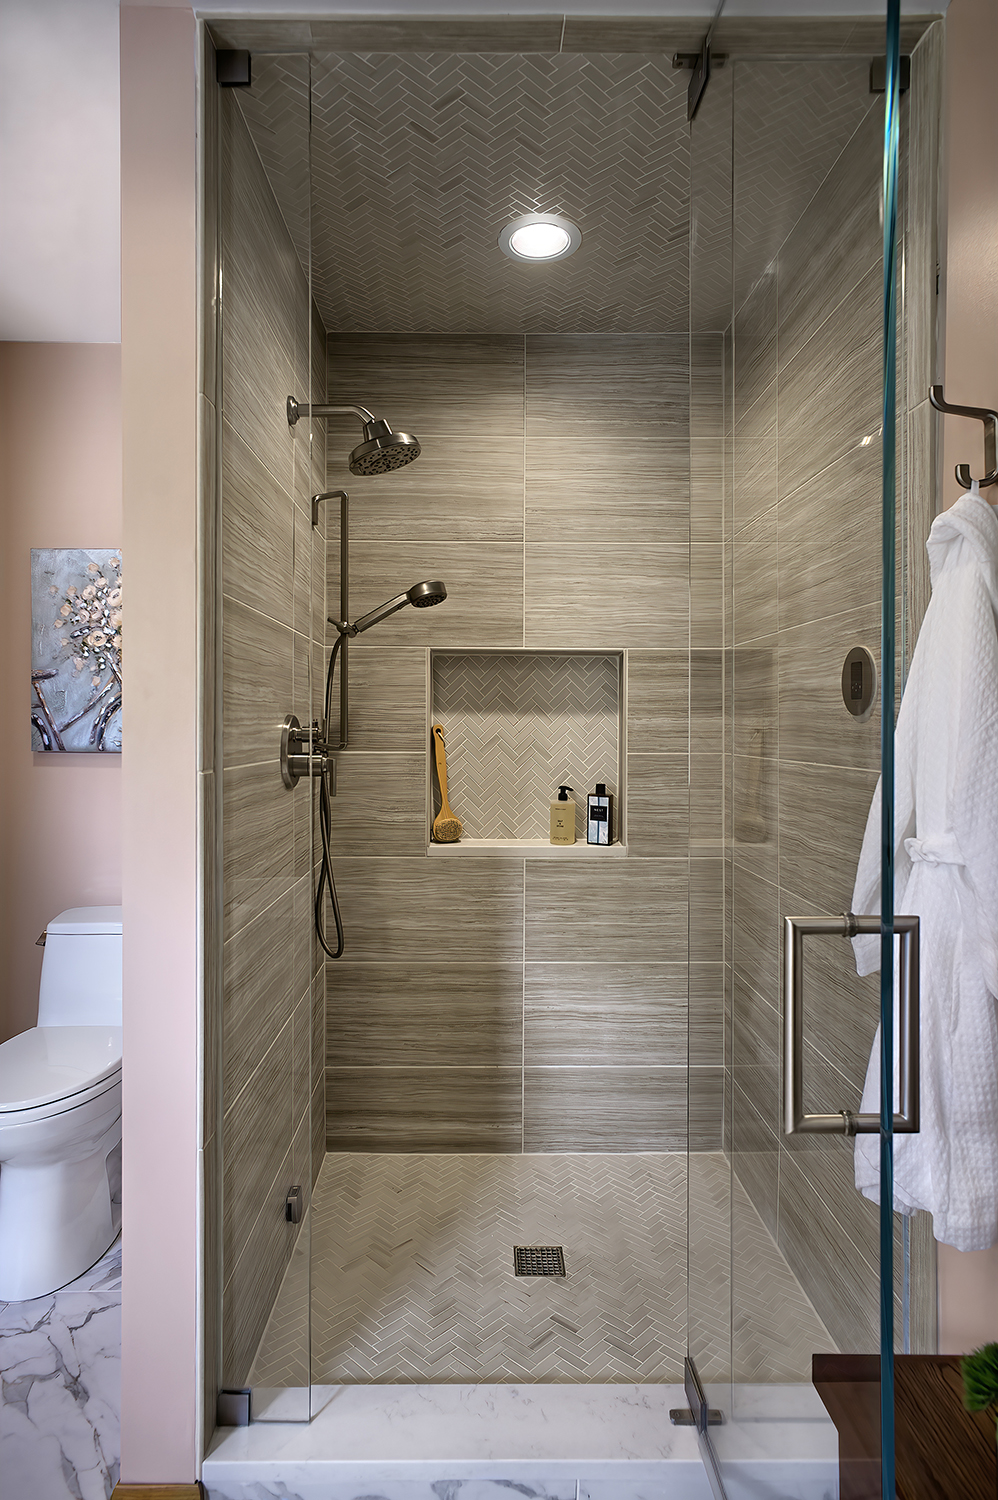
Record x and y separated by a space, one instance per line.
446 828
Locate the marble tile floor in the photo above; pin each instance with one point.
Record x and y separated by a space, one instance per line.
412 1279
60 1363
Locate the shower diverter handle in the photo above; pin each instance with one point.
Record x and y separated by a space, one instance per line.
846 1122
303 753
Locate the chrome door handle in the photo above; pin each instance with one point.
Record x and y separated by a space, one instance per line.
846 1122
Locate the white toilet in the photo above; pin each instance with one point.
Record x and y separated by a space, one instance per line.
60 1111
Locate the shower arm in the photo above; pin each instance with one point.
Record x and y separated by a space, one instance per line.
298 409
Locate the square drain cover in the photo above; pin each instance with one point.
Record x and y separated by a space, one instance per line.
538 1260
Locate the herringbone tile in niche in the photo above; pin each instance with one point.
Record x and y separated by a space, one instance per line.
412 1275
517 727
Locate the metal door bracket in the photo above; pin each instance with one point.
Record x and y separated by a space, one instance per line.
233 1407
878 74
681 1416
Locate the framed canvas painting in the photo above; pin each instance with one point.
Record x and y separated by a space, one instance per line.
75 649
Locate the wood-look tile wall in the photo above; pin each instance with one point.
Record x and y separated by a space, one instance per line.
802 560
272 620
508 1004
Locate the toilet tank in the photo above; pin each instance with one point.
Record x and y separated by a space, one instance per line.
81 968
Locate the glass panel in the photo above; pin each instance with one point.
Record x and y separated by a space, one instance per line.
272 996
708 1176
787 277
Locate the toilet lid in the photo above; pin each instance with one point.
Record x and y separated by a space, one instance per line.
49 1063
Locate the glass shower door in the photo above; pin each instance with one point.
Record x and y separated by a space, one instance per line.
786 1258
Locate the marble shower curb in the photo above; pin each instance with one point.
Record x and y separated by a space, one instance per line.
542 1442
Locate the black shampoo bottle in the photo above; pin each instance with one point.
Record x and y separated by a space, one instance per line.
599 816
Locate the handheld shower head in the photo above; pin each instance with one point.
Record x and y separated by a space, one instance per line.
422 595
382 449
425 595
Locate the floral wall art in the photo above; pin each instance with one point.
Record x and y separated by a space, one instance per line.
75 649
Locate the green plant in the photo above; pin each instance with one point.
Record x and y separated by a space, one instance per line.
980 1379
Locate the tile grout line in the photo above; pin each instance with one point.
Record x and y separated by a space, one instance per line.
523 1019
523 532
779 383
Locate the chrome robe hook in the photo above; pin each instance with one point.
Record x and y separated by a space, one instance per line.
980 414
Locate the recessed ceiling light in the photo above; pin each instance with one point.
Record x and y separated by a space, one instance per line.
540 237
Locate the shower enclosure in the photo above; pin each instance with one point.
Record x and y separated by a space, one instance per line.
651 477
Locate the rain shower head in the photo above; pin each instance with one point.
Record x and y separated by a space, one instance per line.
382 450
421 595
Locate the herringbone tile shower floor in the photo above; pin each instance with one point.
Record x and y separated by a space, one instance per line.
412 1275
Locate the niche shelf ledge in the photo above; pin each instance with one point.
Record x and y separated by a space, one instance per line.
526 849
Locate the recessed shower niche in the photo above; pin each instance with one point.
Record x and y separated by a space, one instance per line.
518 724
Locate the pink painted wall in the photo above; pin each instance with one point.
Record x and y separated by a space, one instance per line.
968 1283
159 808
60 486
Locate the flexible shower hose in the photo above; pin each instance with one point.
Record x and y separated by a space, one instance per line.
325 821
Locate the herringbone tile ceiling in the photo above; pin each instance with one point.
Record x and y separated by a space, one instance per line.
418 159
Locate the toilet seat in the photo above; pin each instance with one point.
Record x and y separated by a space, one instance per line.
49 1069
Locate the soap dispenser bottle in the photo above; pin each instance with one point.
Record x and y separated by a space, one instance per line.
563 818
599 816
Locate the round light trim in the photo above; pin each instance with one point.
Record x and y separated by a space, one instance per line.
539 241
540 237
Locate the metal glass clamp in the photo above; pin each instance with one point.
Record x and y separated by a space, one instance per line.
846 1122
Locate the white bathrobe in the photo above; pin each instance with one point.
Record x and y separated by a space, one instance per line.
946 873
